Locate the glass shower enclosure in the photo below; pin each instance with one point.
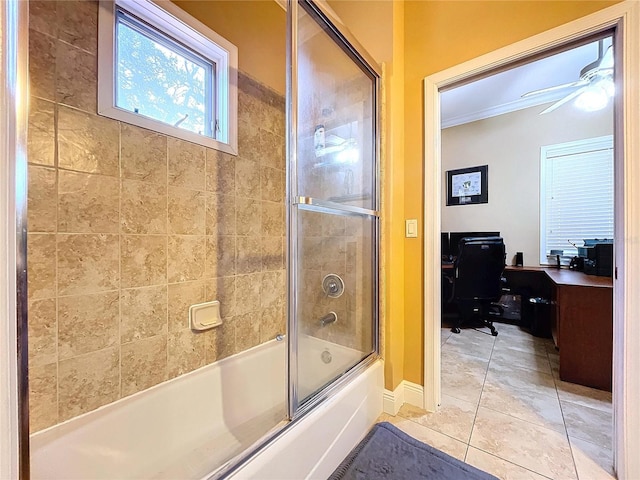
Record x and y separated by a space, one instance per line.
129 228
333 205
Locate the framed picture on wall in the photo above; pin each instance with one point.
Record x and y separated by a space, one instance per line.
467 186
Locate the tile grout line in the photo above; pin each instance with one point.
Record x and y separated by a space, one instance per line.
57 257
119 259
166 246
583 405
523 420
564 422
549 396
410 419
511 463
475 417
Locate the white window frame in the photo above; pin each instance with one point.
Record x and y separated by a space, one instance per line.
547 153
174 22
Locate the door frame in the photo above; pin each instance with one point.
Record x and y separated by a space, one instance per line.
625 18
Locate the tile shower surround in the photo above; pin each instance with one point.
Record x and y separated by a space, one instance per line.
127 228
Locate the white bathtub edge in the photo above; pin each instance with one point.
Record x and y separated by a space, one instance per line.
315 446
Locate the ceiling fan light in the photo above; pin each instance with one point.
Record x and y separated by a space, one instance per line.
592 99
608 86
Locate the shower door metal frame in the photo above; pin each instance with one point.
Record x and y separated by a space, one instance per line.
343 38
14 454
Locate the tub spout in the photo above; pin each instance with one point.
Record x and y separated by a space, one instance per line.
329 318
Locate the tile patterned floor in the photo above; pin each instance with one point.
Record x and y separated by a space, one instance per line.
505 410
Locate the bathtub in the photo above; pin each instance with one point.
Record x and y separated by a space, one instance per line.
189 426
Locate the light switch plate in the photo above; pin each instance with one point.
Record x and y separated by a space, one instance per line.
411 228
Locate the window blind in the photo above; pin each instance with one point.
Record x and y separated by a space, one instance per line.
577 194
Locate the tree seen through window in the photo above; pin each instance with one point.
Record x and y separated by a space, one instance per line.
161 83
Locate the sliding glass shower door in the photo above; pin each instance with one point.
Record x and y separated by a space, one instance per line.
333 204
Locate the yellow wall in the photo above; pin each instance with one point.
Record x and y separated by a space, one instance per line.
439 35
394 207
372 26
257 28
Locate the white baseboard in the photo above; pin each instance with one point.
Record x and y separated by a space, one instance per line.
414 394
405 392
392 401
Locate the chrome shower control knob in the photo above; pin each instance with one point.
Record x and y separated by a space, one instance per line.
332 285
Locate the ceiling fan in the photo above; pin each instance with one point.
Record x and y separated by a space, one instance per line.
594 87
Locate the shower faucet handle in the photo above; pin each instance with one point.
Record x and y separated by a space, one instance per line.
333 285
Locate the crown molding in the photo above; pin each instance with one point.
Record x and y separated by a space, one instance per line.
508 107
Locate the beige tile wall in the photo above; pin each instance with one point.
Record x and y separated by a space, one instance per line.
128 228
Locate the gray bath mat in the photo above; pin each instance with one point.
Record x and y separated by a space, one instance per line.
387 453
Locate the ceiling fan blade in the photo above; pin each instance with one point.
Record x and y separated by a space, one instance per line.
607 59
564 100
578 83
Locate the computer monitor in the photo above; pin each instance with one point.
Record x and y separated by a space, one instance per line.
454 239
444 245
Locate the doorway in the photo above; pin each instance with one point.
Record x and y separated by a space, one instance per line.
512 380
625 386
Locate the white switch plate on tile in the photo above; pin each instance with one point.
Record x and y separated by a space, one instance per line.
411 228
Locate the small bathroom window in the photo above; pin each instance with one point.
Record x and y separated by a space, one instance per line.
161 69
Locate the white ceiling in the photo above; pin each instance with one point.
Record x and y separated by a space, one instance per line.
501 93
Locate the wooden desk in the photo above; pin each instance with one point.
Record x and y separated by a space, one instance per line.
580 279
581 320
582 326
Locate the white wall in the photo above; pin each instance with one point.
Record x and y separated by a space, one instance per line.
510 145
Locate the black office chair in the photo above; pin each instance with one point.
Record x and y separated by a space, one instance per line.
477 280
